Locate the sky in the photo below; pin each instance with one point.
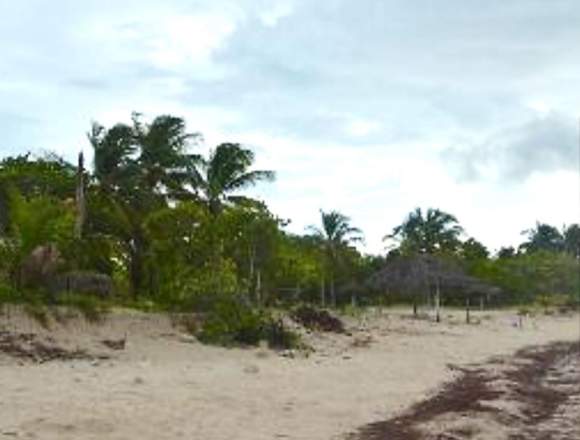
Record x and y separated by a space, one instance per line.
371 108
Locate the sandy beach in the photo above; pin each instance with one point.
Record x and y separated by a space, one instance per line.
164 385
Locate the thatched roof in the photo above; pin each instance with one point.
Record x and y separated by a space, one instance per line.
419 273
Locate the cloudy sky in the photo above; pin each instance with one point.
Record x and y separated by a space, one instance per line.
371 107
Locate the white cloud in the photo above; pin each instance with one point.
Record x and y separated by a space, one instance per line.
355 105
362 127
278 11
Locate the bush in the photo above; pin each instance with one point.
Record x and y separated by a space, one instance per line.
90 307
7 294
278 336
229 321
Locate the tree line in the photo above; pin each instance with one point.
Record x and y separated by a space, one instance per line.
151 221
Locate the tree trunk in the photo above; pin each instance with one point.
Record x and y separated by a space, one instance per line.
259 286
80 199
332 292
136 273
252 286
322 293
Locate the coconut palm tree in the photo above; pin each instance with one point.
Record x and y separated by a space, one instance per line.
224 173
335 235
138 169
152 157
433 232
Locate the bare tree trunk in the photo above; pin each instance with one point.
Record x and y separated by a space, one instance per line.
252 274
481 303
259 286
322 293
332 292
80 199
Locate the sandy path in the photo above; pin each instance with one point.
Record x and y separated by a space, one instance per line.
162 387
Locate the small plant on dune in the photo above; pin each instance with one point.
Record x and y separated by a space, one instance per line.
38 312
279 337
91 308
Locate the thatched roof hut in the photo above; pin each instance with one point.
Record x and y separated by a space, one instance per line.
421 274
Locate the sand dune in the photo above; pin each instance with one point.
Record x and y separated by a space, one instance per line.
163 385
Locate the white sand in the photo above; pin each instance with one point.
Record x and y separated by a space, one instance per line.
161 387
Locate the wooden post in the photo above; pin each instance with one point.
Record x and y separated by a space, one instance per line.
437 302
467 320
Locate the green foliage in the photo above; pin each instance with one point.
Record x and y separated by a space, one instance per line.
543 237
473 250
433 232
224 173
175 229
229 321
527 277
90 307
40 220
572 240
8 295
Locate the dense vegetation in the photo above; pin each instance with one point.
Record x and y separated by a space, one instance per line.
152 224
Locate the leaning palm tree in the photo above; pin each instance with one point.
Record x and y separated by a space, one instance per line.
335 235
224 173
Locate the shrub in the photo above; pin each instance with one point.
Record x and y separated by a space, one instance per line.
228 320
90 307
278 336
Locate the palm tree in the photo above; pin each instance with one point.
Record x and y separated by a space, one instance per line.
164 159
225 172
434 232
139 168
543 237
335 235
152 157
